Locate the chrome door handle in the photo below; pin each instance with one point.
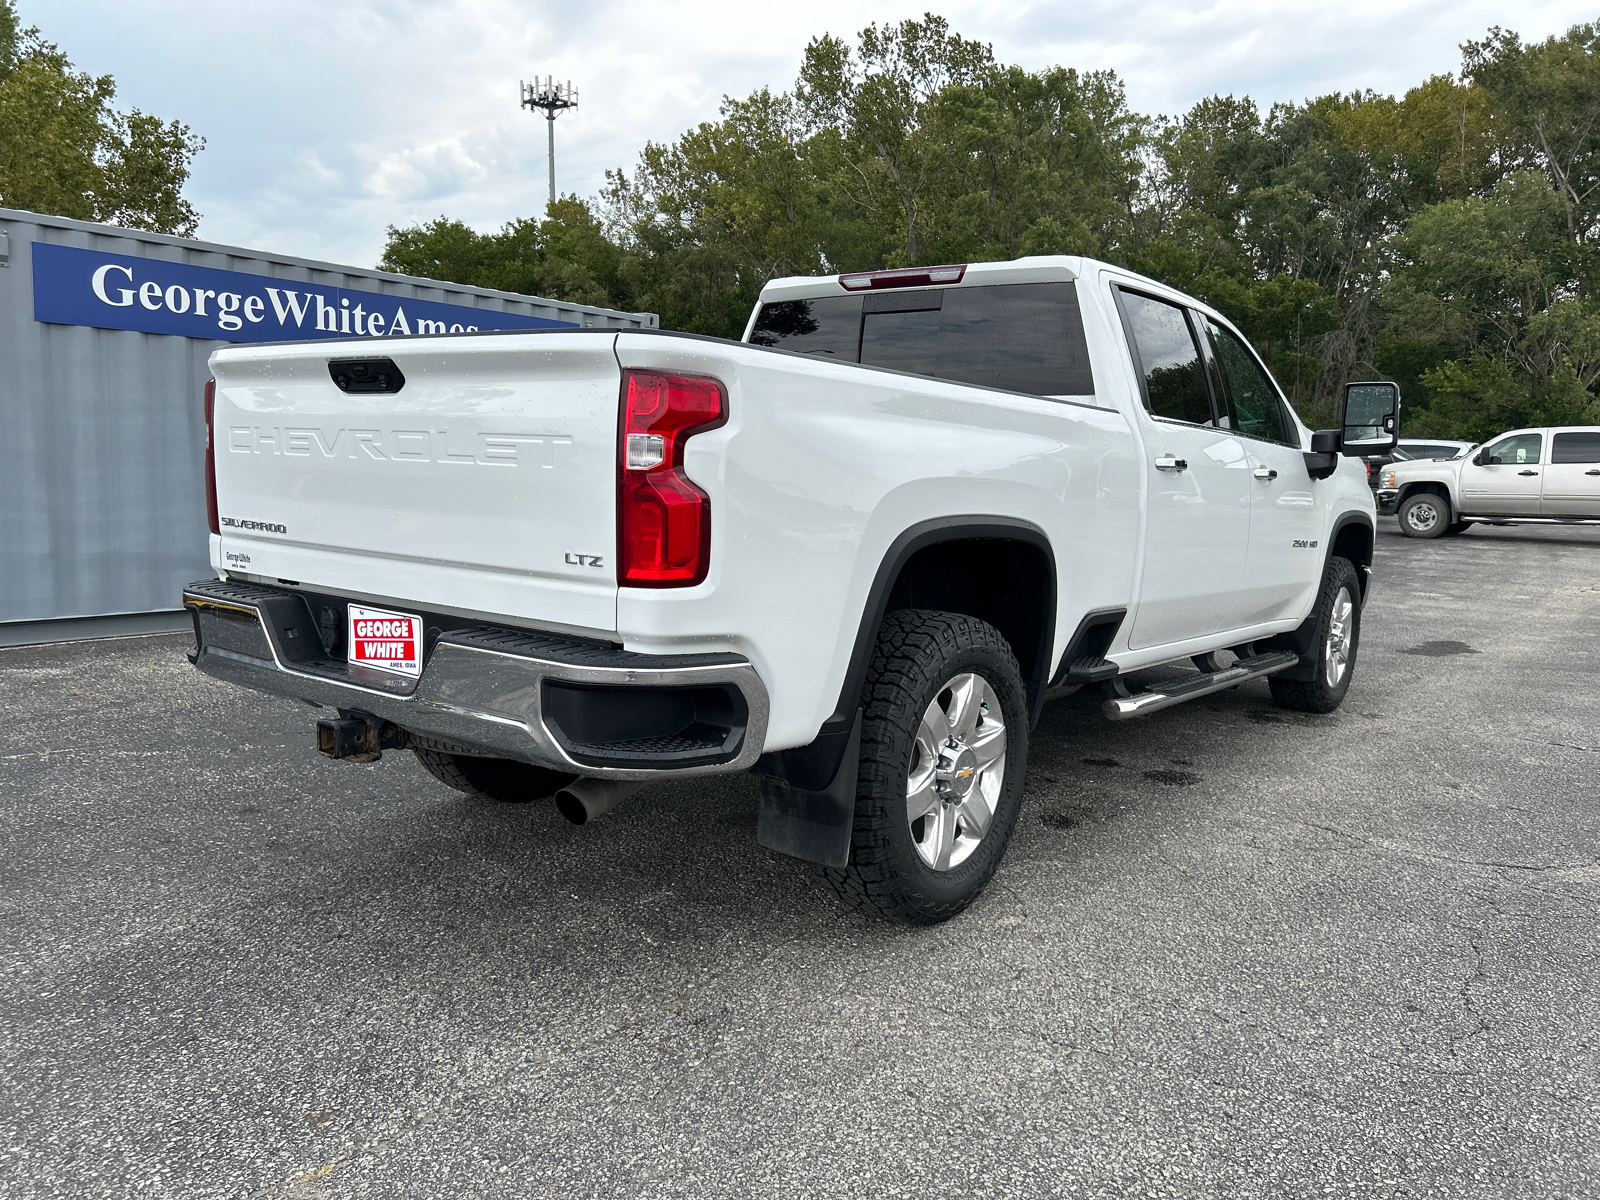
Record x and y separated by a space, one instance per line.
1266 473
1527 472
1165 462
1592 472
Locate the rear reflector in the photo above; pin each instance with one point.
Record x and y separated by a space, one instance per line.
211 458
863 281
663 519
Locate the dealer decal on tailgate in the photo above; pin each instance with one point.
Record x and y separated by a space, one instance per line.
389 640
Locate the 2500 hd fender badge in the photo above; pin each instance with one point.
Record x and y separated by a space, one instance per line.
253 526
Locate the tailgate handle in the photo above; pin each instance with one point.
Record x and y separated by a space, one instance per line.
366 376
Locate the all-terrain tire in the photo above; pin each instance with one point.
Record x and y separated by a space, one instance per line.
1425 515
1340 596
918 654
502 779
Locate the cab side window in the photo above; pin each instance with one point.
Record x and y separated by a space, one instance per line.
1523 448
1575 448
1168 357
1251 395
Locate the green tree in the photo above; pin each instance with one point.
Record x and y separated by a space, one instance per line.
65 150
1547 98
565 257
891 153
1490 278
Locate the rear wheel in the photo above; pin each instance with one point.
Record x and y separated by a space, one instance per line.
944 744
1424 515
1337 638
502 779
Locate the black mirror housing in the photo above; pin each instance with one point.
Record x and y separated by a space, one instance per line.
1370 416
1323 456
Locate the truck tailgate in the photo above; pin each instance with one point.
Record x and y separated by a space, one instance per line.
486 483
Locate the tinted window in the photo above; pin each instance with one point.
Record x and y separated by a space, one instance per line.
1524 448
1167 354
901 330
1252 398
1023 337
830 326
1435 451
1575 448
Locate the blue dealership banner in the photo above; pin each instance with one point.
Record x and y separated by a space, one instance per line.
72 286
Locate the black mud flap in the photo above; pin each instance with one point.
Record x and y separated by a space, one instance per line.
1301 641
810 824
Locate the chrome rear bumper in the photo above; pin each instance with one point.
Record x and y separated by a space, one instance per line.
488 689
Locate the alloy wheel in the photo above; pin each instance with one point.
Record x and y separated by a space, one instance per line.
1336 655
958 766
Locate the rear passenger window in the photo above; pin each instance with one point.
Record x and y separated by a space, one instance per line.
1252 397
1169 358
1575 448
1020 337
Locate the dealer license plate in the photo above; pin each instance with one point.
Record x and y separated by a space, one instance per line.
387 640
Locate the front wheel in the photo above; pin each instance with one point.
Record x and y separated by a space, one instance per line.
1424 515
944 746
1337 638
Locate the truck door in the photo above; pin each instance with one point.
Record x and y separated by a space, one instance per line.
1572 476
1197 523
1507 481
1284 563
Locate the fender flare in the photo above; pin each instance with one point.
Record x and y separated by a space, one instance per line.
1340 524
814 766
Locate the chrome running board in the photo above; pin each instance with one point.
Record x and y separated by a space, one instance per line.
1246 669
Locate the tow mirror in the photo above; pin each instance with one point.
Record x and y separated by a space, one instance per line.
1371 418
1324 455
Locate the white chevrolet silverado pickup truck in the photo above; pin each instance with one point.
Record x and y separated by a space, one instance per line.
1526 476
853 554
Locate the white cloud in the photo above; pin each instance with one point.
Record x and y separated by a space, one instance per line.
328 122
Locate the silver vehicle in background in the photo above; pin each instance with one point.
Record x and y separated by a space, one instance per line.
1527 476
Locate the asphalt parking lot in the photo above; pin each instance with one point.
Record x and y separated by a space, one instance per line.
1233 951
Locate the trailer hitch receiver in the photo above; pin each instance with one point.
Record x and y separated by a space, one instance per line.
358 736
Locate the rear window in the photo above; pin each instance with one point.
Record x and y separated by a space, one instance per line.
1575 448
1020 337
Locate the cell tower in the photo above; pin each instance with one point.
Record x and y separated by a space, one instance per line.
551 98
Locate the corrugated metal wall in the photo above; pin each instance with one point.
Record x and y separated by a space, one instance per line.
102 496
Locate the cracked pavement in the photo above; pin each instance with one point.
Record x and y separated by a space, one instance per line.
1233 951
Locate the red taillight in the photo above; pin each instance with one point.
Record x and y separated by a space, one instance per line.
663 520
211 458
862 281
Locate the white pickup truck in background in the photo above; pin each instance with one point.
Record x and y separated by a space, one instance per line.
1526 476
853 554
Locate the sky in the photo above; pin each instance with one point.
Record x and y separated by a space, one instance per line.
328 121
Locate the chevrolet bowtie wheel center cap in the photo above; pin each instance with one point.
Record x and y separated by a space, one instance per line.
958 770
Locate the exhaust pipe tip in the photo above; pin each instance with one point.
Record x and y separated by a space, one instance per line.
586 799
